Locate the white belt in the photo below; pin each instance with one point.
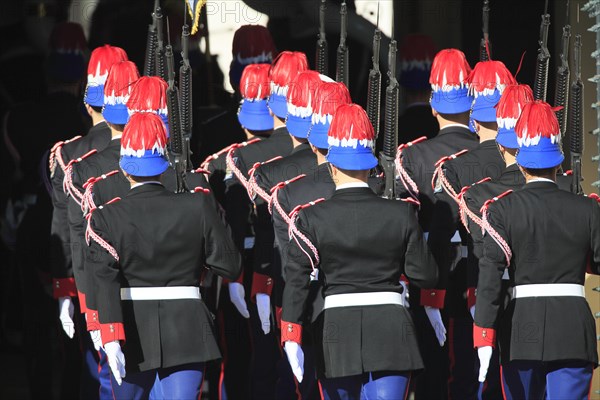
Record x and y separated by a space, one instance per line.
363 299
161 293
548 290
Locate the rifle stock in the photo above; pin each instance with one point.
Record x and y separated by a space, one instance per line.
390 128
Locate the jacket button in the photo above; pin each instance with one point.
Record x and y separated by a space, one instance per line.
269 281
432 293
290 328
57 284
484 333
112 329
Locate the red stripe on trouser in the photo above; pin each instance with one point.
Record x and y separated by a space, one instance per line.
502 383
320 390
407 387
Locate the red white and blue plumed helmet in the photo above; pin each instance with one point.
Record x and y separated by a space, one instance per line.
117 90
144 146
538 135
252 44
149 94
300 99
284 70
486 83
66 61
101 59
253 113
508 111
328 97
448 80
351 139
416 55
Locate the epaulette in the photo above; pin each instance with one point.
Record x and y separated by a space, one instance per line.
200 189
87 200
568 172
218 154
486 227
55 155
274 200
439 180
464 210
594 196
68 187
253 188
91 235
408 183
294 234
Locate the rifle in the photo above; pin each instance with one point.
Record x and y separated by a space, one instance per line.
185 92
175 132
484 45
390 125
322 46
540 85
561 92
576 119
151 45
374 87
160 49
341 74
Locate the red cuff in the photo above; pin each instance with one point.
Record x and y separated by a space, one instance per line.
433 298
92 320
64 287
404 279
261 284
240 279
471 297
112 332
291 332
82 304
483 336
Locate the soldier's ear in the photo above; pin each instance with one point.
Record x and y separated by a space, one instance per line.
434 113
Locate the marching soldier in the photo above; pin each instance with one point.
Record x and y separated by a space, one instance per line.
148 271
366 345
62 155
451 104
547 238
448 240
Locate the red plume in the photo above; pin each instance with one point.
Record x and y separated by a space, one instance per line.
120 81
254 84
144 131
253 44
488 76
328 97
511 105
101 60
301 93
148 94
537 120
449 70
351 126
284 70
68 37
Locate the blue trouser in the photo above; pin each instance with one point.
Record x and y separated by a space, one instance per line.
95 376
183 382
558 380
368 386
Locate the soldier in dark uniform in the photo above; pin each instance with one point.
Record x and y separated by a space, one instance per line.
61 156
366 343
548 238
448 240
451 103
117 90
148 271
416 54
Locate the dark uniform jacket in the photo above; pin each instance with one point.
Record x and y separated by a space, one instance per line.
553 235
365 243
483 161
416 121
162 239
97 138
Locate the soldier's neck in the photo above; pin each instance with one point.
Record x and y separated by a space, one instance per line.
97 118
115 133
277 123
297 142
509 159
320 158
486 134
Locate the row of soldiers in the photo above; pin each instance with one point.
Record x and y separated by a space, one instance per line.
307 250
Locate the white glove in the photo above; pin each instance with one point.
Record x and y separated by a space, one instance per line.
485 355
65 314
116 360
295 356
405 294
472 311
263 304
237 296
435 318
96 339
